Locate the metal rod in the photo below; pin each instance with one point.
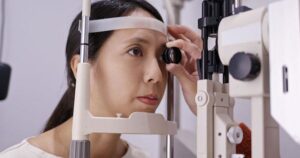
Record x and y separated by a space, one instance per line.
170 146
2 28
84 39
176 95
227 8
170 114
237 3
80 145
204 71
173 89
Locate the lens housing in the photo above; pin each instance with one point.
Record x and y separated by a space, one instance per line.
172 55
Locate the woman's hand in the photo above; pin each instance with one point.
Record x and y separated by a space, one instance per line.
190 44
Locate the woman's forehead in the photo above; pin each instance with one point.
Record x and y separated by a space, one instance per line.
140 13
140 36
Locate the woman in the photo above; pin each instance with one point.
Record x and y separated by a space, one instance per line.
117 58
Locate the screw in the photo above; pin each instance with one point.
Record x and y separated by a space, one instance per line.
119 115
200 98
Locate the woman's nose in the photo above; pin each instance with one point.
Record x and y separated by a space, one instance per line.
153 72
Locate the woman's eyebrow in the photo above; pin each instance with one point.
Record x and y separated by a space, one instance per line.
145 41
138 40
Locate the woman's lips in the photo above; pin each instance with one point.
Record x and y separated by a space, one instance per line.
150 100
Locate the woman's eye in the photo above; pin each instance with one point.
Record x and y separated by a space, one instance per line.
135 52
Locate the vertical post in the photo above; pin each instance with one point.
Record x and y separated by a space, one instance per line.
265 132
170 114
80 145
204 35
2 28
173 89
205 119
177 12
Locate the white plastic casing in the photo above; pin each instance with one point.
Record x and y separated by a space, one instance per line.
243 32
284 28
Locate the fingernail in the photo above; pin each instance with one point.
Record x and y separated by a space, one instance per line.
168 44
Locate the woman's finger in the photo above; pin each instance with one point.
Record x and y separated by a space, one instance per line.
188 83
184 58
181 74
177 30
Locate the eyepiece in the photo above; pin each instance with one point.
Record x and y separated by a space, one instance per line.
171 55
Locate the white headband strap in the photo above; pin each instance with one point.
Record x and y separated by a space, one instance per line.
128 22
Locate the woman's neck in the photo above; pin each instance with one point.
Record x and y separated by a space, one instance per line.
102 145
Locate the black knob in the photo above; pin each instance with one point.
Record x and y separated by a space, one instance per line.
5 71
244 66
171 55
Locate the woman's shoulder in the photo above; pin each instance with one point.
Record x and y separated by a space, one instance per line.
25 150
13 151
135 152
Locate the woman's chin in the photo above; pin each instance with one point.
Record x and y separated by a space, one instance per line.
147 110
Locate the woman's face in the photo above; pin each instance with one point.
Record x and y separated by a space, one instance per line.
128 74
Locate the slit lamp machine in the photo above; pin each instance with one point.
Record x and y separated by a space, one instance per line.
255 56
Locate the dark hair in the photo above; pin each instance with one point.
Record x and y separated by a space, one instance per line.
99 10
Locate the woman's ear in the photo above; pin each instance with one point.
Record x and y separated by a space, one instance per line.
74 64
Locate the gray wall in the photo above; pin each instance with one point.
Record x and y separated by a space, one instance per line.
35 37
